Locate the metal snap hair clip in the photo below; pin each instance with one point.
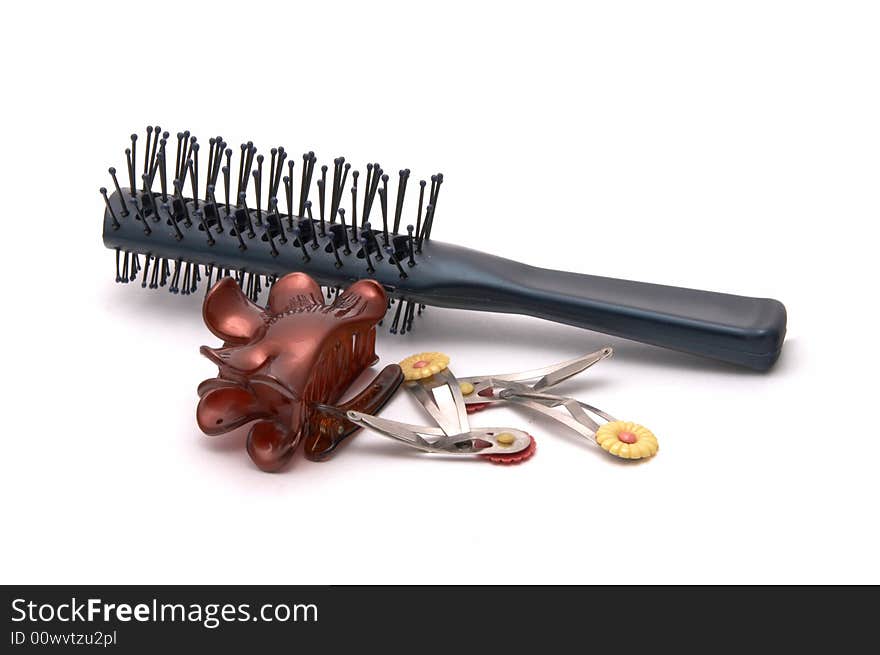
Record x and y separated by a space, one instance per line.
623 439
436 388
499 445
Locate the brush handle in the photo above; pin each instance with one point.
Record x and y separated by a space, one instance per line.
735 329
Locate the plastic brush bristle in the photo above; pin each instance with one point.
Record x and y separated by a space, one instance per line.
198 216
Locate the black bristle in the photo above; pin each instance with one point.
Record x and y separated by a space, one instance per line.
302 184
242 202
185 282
422 185
149 200
158 143
372 188
258 187
436 181
112 172
406 305
177 232
395 322
312 161
271 239
297 234
147 149
288 196
185 157
212 146
141 217
429 219
333 247
411 315
274 155
241 167
289 188
401 193
147 258
173 286
194 174
164 273
133 161
321 184
276 182
178 155
248 166
213 200
354 204
209 271
130 171
124 277
367 187
200 217
226 186
178 192
312 221
383 199
391 258
344 230
116 222
275 223
155 276
411 245
163 179
366 239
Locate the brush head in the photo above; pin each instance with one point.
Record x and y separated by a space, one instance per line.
180 217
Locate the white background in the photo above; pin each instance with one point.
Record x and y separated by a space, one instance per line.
728 146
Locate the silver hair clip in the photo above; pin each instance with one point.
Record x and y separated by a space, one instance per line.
439 392
447 399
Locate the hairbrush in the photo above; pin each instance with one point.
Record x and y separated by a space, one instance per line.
185 214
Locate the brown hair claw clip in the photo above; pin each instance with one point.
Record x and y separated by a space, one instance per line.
280 365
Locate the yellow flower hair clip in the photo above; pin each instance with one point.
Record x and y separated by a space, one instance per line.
627 440
423 365
533 390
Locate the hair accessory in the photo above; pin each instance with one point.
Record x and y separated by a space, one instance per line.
423 365
440 394
477 441
627 440
619 438
515 458
280 365
176 229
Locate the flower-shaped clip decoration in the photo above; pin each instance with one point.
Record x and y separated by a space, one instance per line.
627 440
278 365
622 439
423 365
